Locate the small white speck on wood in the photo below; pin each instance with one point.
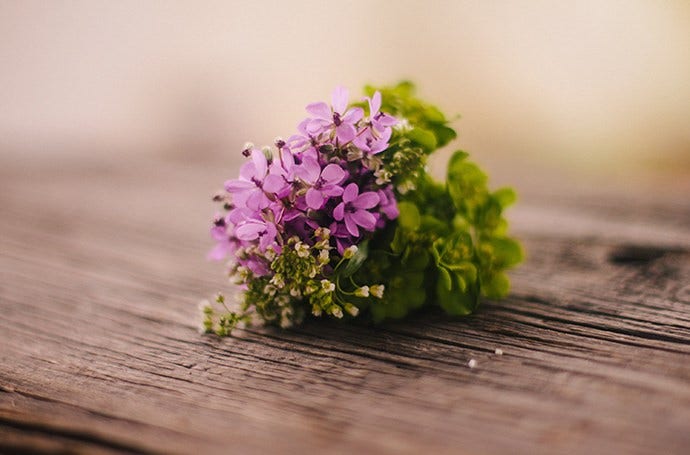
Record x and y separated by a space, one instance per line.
498 351
472 363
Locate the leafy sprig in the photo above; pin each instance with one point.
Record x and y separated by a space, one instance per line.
449 246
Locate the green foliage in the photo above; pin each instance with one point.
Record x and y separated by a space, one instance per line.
449 245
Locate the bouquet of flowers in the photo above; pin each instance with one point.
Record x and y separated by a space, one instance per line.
342 219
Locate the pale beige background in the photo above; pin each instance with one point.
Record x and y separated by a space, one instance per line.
592 84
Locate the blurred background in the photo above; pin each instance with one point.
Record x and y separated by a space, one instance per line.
595 85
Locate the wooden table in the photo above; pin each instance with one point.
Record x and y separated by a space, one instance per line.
102 266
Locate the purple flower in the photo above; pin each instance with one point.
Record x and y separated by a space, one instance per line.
370 143
338 117
225 244
324 182
387 205
250 230
353 209
379 120
250 189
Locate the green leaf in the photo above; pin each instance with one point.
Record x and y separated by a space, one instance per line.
444 278
357 260
444 135
496 286
507 252
466 183
454 301
424 138
399 241
409 217
433 115
505 196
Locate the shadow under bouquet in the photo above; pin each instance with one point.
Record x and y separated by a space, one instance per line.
343 220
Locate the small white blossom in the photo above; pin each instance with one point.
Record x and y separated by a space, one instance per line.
337 311
270 253
350 251
362 292
324 256
405 187
270 289
350 308
278 281
377 290
382 176
322 233
302 249
328 285
295 293
402 125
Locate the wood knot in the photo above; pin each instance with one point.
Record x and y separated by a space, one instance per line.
630 254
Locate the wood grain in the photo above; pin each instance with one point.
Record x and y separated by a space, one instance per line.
101 269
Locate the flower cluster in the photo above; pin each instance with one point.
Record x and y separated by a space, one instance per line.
311 226
312 199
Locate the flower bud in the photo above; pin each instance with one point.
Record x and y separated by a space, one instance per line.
327 285
350 251
351 309
377 290
362 292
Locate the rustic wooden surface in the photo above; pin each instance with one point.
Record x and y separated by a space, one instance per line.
102 266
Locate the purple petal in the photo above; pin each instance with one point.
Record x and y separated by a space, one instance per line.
386 120
220 251
365 219
345 132
350 193
375 103
391 211
233 186
239 214
309 170
274 183
332 190
317 125
269 237
339 211
248 171
353 115
351 225
257 200
333 173
287 159
314 198
219 233
260 163
339 97
320 110
302 128
366 200
249 230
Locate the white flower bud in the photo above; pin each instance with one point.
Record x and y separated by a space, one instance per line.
350 251
337 311
351 309
324 256
362 292
377 290
328 285
302 249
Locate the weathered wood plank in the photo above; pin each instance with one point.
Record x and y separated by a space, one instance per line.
101 269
